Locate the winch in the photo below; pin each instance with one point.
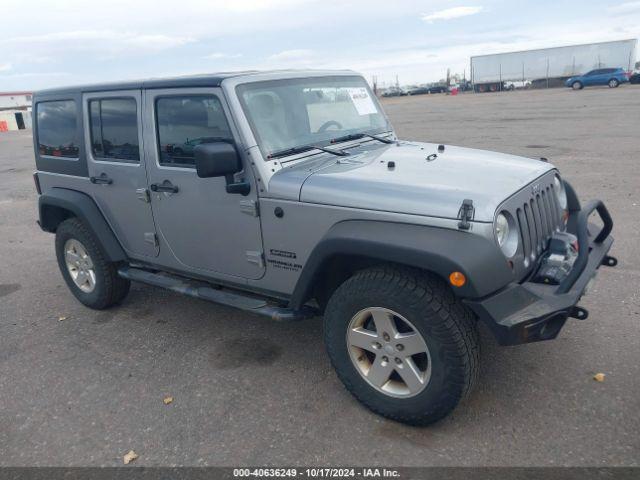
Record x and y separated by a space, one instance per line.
558 260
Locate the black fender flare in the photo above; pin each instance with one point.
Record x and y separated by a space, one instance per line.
439 250
82 206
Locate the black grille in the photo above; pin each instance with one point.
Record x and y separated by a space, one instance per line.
538 218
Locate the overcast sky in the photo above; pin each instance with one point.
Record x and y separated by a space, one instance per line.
65 42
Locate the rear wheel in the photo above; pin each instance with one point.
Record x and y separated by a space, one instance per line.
92 279
576 85
402 344
613 83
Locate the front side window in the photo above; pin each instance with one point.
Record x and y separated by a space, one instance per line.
114 129
312 111
58 129
184 122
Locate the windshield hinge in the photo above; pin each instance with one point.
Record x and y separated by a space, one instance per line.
466 214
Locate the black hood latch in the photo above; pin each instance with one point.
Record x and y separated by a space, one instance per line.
466 214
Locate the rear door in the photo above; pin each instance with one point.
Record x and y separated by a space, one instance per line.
115 159
206 229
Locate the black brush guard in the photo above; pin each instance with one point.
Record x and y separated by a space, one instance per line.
530 312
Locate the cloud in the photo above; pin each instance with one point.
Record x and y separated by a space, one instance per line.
451 13
35 75
5 67
292 56
105 40
623 8
220 55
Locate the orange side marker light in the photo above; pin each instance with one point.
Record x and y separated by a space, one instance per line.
457 279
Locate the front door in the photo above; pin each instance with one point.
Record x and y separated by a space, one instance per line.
591 78
206 230
116 165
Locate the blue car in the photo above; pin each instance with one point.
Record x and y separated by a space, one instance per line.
601 76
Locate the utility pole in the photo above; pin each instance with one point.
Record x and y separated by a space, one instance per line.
547 72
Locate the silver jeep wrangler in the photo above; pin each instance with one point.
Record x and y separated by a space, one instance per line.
287 194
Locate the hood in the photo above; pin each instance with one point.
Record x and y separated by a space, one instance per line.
416 182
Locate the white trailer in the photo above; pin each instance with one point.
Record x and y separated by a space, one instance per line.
548 66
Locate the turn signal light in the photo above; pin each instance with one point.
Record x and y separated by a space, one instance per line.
457 279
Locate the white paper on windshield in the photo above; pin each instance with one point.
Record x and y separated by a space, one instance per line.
362 101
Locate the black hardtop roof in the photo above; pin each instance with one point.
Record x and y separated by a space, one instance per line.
204 80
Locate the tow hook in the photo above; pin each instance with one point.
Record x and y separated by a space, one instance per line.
579 313
609 261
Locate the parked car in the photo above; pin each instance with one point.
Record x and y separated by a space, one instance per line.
635 78
517 85
438 89
309 207
417 91
601 76
395 92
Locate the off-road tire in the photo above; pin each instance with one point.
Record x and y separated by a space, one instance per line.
110 288
448 327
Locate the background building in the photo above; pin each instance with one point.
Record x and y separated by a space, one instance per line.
15 111
549 67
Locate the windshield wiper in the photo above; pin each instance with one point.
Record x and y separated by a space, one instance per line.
356 136
306 148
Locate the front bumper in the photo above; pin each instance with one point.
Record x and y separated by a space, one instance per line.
531 312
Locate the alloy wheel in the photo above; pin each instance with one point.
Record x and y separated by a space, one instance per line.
79 265
388 352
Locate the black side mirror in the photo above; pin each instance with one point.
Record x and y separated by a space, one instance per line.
217 159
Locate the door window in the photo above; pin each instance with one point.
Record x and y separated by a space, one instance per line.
57 129
114 129
184 122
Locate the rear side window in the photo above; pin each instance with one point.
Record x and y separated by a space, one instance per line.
184 122
114 129
58 129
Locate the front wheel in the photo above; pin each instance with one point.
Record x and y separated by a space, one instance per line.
576 85
613 83
402 344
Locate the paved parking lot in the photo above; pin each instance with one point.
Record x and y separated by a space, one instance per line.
86 389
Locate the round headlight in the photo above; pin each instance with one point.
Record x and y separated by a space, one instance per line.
502 229
561 193
506 234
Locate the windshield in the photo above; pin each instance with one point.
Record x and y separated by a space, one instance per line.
285 114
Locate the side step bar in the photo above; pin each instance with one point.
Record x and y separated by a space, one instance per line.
204 291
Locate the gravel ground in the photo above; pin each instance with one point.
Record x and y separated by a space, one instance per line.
87 389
